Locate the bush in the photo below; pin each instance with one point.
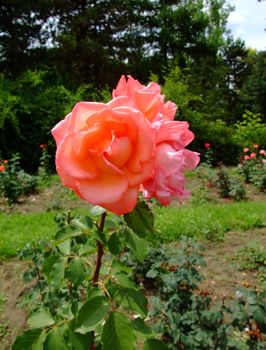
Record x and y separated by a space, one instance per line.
250 131
229 186
185 315
14 181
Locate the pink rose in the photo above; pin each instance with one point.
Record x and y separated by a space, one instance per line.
246 149
252 155
246 157
2 168
147 99
262 152
104 152
255 145
207 145
171 161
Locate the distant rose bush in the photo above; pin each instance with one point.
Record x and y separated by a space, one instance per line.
108 153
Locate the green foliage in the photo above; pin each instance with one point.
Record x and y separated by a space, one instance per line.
229 186
185 315
254 88
250 130
248 316
75 305
44 170
253 257
15 182
253 167
35 105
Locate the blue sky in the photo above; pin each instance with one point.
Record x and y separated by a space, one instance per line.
248 22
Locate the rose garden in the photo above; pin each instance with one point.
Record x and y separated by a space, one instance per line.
113 275
132 178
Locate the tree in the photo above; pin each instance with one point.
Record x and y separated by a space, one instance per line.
24 32
254 89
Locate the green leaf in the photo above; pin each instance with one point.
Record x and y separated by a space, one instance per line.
92 313
68 232
154 344
124 280
118 333
132 300
76 271
84 223
117 265
65 247
140 220
141 326
49 263
58 272
40 319
93 292
56 340
38 345
114 244
97 210
26 340
139 246
78 341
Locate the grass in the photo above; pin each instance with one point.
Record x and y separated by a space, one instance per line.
18 229
210 221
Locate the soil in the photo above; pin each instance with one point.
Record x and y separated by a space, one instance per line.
221 275
12 318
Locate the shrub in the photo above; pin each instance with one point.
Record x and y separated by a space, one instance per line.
185 315
249 131
253 166
229 186
14 181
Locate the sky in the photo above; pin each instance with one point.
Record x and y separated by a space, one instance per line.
248 22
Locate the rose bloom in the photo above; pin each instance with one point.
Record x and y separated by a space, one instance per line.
207 145
5 161
104 152
147 99
262 152
246 149
171 161
255 145
246 157
252 155
2 168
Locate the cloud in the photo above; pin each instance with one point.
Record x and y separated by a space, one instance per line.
247 22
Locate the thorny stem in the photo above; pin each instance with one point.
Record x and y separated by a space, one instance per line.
100 253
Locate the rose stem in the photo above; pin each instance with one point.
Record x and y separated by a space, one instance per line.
100 253
98 263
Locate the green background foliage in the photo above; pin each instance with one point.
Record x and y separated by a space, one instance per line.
54 54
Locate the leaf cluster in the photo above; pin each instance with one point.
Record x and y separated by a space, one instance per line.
73 307
185 314
14 181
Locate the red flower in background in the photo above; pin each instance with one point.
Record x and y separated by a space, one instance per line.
207 145
2 168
